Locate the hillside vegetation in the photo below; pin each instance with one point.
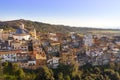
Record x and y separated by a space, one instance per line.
44 27
12 71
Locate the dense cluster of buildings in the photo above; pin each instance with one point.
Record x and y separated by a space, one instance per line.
31 49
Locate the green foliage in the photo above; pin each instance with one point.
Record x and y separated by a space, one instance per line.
60 76
7 68
63 72
9 77
20 73
15 68
45 73
67 77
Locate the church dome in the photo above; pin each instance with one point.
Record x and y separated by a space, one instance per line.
21 31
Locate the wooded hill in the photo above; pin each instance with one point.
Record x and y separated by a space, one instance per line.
45 27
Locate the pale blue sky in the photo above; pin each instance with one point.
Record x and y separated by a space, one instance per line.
85 13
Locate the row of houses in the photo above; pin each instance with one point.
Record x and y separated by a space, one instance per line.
54 48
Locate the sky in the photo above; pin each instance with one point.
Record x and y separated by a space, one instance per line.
79 13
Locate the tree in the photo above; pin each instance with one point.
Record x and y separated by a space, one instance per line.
107 77
15 68
74 70
60 76
67 77
112 65
20 73
1 70
45 74
7 68
97 70
117 76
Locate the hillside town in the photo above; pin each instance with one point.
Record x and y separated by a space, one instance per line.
32 49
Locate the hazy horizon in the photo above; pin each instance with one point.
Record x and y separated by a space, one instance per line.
60 24
78 13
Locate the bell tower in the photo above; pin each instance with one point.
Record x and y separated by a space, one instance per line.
35 33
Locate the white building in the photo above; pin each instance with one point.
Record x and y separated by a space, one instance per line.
32 62
88 40
53 37
54 62
8 56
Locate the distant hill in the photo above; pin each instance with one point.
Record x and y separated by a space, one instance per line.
44 27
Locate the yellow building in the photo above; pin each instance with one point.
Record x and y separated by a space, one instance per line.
33 33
